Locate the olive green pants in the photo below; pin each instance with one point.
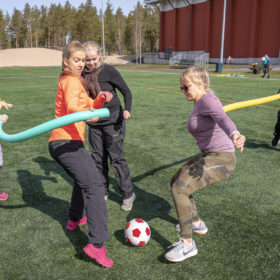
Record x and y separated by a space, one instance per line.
197 173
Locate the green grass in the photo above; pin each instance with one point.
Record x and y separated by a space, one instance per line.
242 212
227 69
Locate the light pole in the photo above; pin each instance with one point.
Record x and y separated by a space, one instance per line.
223 32
103 40
220 65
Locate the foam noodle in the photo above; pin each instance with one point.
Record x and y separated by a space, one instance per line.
52 124
248 103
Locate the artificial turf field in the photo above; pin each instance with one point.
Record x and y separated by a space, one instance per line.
242 213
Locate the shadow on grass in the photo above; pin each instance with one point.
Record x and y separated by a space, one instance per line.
252 144
76 237
49 165
34 196
147 206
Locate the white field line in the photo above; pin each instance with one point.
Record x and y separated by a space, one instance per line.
33 77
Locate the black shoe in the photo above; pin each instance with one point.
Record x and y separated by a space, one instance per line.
275 140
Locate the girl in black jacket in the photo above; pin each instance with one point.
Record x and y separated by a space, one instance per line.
106 137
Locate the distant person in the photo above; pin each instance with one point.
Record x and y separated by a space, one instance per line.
66 146
106 137
217 137
3 195
276 138
266 65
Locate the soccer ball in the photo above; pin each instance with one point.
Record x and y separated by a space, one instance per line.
137 232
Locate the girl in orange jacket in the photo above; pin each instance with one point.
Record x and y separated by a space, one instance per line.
66 146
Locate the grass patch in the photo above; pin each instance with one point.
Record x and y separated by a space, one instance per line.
242 212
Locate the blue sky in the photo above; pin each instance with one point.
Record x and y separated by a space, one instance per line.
125 5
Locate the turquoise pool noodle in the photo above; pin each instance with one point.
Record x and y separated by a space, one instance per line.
52 124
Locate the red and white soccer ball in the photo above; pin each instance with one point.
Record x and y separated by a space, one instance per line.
137 232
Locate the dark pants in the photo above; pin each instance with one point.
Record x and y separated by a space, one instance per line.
277 125
88 193
107 141
266 71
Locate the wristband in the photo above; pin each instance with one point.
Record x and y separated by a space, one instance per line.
235 131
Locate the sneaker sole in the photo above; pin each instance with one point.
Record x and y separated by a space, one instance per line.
192 254
201 232
197 232
123 209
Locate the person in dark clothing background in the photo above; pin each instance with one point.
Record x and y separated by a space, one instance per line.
106 137
266 65
276 138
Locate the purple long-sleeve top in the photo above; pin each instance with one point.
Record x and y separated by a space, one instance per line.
210 125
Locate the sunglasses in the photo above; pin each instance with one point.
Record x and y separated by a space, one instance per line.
184 88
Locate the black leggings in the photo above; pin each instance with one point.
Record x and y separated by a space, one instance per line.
88 192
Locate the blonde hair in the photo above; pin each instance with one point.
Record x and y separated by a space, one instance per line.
198 76
92 45
68 50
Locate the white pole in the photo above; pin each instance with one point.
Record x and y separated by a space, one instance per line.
103 40
223 32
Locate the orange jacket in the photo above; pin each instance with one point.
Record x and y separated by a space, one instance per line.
72 97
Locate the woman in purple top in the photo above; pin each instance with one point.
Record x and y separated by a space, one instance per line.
217 138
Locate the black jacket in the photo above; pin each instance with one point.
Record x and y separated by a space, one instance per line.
110 79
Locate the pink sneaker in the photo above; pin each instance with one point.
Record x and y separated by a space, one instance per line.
99 255
72 225
3 196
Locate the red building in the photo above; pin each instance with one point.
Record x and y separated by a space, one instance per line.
251 28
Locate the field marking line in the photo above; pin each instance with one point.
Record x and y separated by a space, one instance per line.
33 77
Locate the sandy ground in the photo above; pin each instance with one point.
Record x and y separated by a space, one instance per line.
49 57
43 57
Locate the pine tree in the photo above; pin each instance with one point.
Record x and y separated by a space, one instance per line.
26 27
128 35
67 20
120 25
87 24
35 24
56 25
44 29
15 28
138 31
151 29
110 29
3 31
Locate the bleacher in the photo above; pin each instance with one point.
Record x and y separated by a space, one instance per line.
186 59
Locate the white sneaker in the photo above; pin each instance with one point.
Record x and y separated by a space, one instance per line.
181 251
199 229
128 203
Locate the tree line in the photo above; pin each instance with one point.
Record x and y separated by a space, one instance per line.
53 27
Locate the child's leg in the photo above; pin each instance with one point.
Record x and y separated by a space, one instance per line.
3 195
